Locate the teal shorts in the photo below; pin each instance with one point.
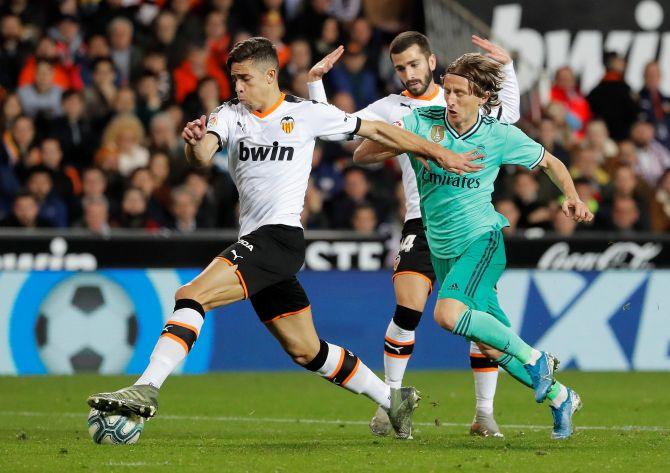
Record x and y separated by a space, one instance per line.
472 277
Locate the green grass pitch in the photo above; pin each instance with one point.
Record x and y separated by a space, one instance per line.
290 422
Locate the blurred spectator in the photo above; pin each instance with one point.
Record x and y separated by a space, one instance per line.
558 113
356 191
344 10
195 68
156 63
125 55
197 184
165 33
589 193
586 164
98 48
159 165
163 137
272 28
354 78
655 106
125 102
625 217
69 40
597 137
309 22
508 208
52 207
183 211
532 212
313 216
13 50
660 205
142 179
364 219
134 212
652 157
149 100
626 184
96 215
612 99
11 110
189 26
362 34
100 96
64 76
300 61
217 38
564 226
73 131
121 148
328 38
548 137
203 100
93 185
565 92
25 213
65 177
43 97
17 152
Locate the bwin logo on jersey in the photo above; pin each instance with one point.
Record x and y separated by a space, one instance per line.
263 153
287 124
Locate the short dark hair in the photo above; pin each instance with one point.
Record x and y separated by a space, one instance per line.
256 49
407 39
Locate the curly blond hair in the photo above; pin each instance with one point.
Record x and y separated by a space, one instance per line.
123 122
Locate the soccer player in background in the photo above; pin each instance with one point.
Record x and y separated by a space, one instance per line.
413 274
270 140
464 230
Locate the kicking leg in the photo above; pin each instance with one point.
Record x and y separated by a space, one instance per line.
297 335
218 284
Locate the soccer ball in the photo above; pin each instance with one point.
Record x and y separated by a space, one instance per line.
86 323
112 428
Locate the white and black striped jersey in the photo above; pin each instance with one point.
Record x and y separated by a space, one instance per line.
270 154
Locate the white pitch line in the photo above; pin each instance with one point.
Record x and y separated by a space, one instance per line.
279 420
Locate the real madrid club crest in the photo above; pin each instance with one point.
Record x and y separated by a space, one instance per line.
437 133
287 124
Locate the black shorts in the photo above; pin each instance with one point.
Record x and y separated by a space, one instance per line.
267 261
414 254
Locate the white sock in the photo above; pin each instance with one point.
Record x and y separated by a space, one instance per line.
398 347
534 356
173 344
486 379
345 369
560 399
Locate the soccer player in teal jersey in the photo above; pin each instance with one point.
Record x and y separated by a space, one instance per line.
464 230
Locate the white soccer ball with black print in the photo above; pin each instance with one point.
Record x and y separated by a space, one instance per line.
86 323
114 429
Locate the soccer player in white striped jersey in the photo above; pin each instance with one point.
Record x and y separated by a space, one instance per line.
413 275
270 139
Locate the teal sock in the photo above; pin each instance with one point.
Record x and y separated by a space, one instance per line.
483 327
515 369
518 372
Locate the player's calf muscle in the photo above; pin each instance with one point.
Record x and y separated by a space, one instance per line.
212 292
411 291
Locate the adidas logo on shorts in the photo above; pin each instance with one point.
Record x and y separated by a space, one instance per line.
453 287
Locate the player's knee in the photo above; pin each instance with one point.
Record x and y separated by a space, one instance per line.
447 313
187 291
301 353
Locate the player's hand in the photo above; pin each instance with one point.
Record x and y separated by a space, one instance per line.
576 210
459 163
195 131
324 65
493 51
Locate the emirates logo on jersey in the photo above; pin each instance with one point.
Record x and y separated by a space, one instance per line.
287 124
437 133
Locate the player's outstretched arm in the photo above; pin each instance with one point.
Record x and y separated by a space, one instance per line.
573 206
395 138
370 152
200 146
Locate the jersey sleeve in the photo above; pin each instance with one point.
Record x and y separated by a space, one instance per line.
327 120
508 111
521 150
217 124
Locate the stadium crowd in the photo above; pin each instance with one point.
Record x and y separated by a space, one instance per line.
93 97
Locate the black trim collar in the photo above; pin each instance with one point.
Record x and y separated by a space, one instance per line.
468 133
